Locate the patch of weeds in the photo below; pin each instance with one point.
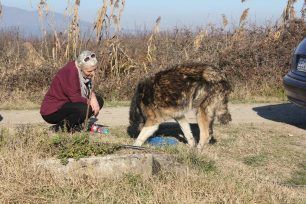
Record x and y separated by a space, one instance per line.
57 140
257 99
227 141
276 92
137 185
119 132
199 162
190 157
255 160
133 179
3 136
170 149
46 191
79 146
299 176
29 137
231 137
24 133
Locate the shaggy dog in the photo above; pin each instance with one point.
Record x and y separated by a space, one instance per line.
171 93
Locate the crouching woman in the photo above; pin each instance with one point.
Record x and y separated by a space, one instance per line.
65 103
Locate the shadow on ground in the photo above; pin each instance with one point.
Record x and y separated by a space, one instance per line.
286 113
173 129
1 118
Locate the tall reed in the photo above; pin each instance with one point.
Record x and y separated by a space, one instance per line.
74 32
43 11
151 47
1 9
289 12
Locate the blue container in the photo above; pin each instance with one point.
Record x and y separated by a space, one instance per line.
160 141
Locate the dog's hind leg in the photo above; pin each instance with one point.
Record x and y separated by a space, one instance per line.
145 133
205 120
186 130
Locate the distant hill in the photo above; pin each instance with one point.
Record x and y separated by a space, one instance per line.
27 22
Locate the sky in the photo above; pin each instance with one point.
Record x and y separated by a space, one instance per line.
174 13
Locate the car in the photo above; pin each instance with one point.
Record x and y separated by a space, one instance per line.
295 81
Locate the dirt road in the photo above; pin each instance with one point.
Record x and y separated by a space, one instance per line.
278 114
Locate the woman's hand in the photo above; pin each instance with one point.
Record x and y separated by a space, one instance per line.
94 104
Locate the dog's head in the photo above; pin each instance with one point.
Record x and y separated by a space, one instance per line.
225 118
134 130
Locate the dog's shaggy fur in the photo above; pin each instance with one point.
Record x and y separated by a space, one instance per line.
173 92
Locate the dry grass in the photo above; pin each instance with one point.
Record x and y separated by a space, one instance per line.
249 164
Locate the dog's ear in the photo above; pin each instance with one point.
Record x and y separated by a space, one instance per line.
225 118
1 117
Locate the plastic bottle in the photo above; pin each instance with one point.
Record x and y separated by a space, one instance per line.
99 129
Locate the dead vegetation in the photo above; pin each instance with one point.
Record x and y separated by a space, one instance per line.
254 57
248 164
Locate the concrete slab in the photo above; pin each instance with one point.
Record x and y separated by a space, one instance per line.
110 166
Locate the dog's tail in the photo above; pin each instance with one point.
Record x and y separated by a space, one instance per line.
136 117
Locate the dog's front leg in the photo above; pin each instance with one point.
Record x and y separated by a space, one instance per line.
186 130
145 133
